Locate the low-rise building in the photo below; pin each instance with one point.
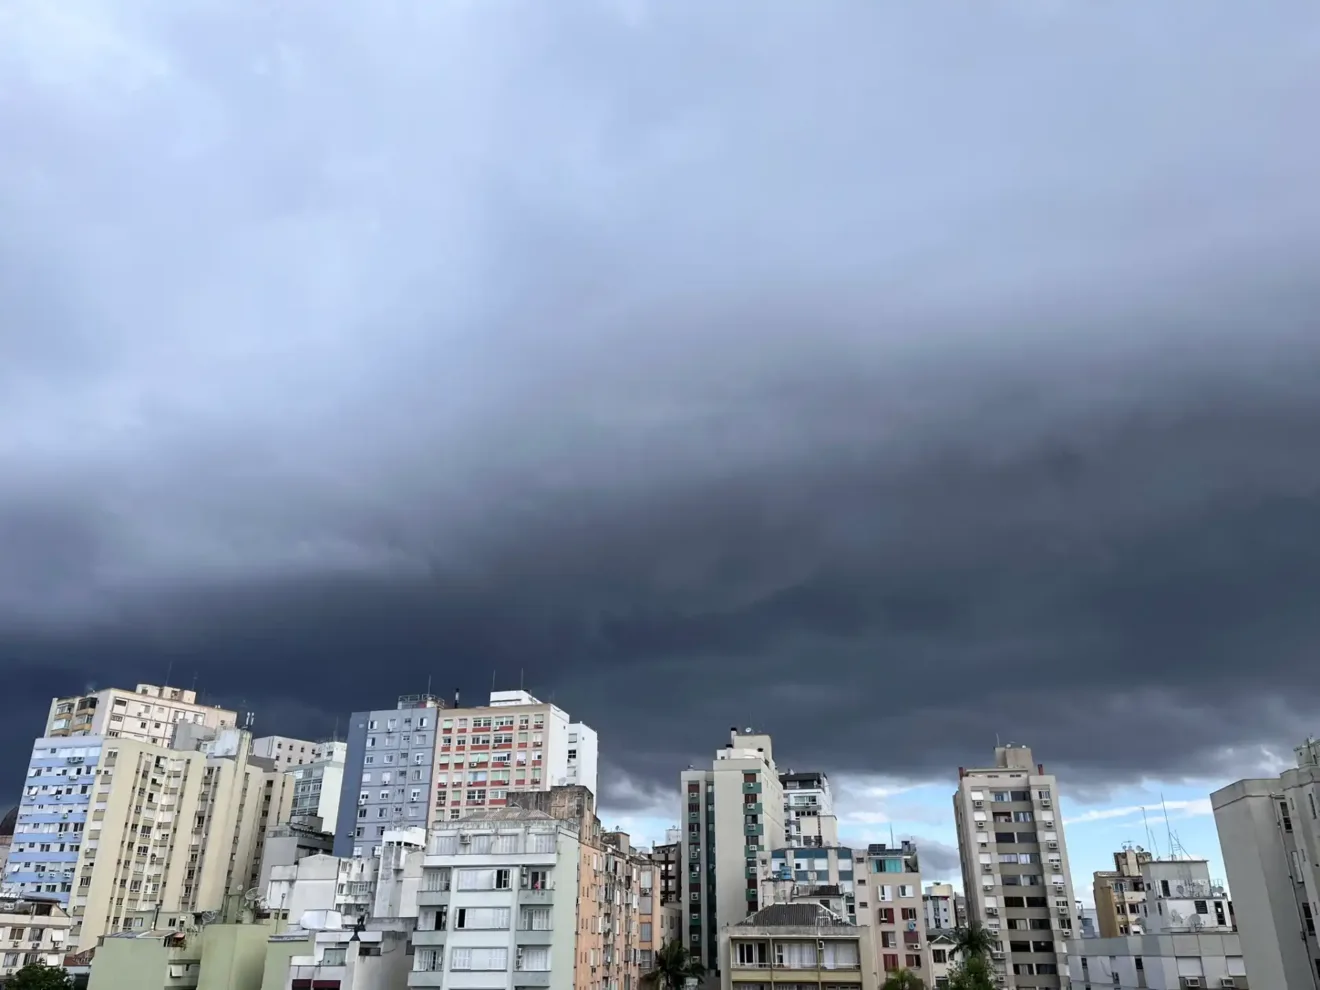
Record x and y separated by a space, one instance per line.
499 904
32 930
1158 962
216 957
805 945
943 956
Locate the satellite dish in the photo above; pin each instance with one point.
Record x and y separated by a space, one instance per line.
208 917
253 898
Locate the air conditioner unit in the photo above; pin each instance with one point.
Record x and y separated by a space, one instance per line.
978 804
1191 981
820 944
1227 981
1052 844
987 868
1046 803
464 839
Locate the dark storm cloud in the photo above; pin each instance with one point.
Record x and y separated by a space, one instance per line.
887 380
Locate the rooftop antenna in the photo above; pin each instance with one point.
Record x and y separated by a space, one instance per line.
428 685
1150 836
169 672
521 672
1168 829
492 680
334 735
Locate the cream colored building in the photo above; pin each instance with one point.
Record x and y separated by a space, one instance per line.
213 957
132 834
732 812
805 946
889 903
286 752
31 931
1119 894
1015 867
148 713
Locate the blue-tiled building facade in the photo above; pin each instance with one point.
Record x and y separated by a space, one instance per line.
52 814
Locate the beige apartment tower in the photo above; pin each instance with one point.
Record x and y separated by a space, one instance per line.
1015 867
148 713
1119 894
130 834
732 812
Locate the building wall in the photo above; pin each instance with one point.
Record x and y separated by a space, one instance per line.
1165 961
233 956
1275 940
889 905
141 963
583 756
938 906
31 932
149 713
285 751
988 879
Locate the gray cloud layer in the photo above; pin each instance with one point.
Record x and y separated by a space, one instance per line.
883 376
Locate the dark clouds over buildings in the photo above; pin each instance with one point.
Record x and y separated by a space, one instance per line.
888 379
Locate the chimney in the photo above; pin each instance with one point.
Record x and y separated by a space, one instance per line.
733 735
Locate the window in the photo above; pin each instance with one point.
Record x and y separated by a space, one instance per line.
939 956
890 961
476 959
752 954
496 918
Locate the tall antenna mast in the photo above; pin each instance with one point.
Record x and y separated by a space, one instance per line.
1150 836
1167 827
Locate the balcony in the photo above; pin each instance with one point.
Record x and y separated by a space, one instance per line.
754 830
751 788
542 896
432 898
531 978
426 978
529 936
429 938
752 809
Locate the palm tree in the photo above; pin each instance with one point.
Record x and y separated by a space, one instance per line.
903 979
674 965
973 974
974 941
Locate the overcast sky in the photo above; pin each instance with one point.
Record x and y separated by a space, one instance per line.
885 375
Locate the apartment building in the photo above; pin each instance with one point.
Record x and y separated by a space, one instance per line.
660 919
498 904
318 786
668 858
1189 936
425 763
733 812
285 752
182 829
938 908
7 835
1270 837
148 713
805 946
33 930
809 818
816 875
1016 874
889 904
1119 893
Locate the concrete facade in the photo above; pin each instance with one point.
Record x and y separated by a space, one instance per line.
1270 838
148 713
809 818
1119 894
1016 873
318 786
889 903
285 752
1160 962
938 906
802 945
31 931
183 829
732 812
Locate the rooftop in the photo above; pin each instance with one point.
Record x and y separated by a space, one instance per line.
794 916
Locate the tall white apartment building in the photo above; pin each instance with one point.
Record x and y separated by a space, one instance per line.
1269 833
733 812
148 713
498 903
1015 867
809 818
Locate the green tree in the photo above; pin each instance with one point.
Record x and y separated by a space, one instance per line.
39 976
673 966
973 974
903 979
973 941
